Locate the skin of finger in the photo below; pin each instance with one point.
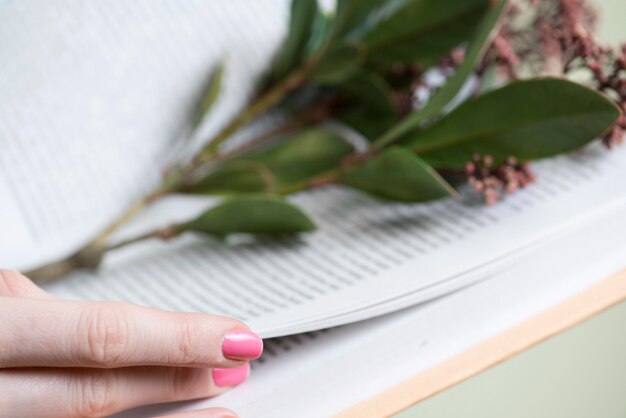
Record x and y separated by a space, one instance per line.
55 333
81 392
13 283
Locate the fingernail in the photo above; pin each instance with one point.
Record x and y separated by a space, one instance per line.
242 345
231 377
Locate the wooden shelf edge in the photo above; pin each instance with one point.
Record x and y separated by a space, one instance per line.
494 350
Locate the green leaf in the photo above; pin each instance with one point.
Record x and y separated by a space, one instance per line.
339 64
252 214
295 159
528 119
212 91
303 13
320 32
443 96
371 89
303 156
397 174
352 14
369 108
235 177
423 30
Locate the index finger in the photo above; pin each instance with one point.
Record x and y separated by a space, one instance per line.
54 333
13 283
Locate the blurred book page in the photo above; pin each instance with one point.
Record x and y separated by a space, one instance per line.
96 94
366 252
322 373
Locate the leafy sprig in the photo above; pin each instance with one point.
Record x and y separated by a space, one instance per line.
360 67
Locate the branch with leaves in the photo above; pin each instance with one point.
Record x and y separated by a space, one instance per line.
366 66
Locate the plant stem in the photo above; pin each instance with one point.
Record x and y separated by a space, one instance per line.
260 140
163 233
87 257
91 254
328 177
262 104
126 216
62 267
349 163
305 117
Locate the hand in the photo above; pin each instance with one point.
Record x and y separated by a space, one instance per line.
74 359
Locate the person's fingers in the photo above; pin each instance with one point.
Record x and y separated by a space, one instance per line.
205 413
48 392
55 333
15 284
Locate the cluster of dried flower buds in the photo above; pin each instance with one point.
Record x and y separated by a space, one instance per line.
494 181
557 38
422 83
545 36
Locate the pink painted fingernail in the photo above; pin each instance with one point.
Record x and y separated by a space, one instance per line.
242 345
231 377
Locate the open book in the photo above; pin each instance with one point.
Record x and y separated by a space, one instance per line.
95 97
367 259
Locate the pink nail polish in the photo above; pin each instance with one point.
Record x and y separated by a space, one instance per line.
242 345
231 377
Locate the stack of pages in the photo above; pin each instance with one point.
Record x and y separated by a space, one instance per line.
368 258
94 99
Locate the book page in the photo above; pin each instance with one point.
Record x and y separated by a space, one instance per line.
322 373
95 95
94 99
368 257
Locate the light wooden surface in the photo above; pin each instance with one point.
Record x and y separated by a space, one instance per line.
494 350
